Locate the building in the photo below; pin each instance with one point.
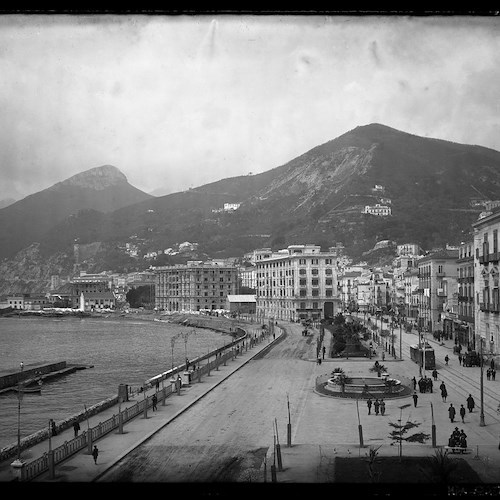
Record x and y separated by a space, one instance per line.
486 277
241 304
411 293
98 300
377 209
229 207
195 286
437 284
348 290
411 249
16 301
36 302
299 282
88 283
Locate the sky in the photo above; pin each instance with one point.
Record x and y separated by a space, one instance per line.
179 101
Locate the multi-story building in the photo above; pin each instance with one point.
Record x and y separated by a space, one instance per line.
195 286
464 326
88 283
411 293
486 273
348 289
299 282
377 209
437 282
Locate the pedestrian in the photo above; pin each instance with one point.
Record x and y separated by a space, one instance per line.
493 373
369 404
319 360
76 428
95 453
470 403
463 439
459 359
488 374
429 382
444 392
492 363
155 401
421 385
446 359
376 404
415 398
382 407
383 356
462 412
53 428
434 374
414 380
451 412
157 385
324 351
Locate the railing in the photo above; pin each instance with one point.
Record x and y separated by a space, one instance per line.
40 465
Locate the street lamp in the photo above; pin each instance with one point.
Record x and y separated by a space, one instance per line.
481 416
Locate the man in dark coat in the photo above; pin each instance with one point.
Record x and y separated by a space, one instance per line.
415 398
470 403
369 404
444 392
451 412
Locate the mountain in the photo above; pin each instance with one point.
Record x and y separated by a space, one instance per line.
103 189
436 189
6 202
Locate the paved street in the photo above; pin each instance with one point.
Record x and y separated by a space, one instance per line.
223 429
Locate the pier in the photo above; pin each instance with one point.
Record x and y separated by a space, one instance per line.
32 373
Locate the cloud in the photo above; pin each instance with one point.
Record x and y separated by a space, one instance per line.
186 100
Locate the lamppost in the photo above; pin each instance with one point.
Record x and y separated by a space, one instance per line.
481 416
172 343
19 399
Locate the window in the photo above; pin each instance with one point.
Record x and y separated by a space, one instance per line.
329 292
315 282
315 293
302 305
303 293
302 282
302 262
302 272
314 262
315 305
314 272
328 272
328 281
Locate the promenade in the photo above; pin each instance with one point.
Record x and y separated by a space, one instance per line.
233 408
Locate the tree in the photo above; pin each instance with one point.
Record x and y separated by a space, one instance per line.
400 429
439 467
371 460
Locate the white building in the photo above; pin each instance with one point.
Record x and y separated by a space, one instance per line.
377 209
298 282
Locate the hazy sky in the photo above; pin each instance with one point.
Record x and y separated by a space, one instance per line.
180 101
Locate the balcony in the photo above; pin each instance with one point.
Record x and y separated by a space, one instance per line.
493 308
494 257
440 292
440 274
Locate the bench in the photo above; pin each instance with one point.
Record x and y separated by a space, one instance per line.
457 449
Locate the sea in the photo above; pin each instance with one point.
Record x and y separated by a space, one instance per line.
121 351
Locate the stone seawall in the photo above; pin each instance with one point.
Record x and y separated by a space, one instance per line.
39 436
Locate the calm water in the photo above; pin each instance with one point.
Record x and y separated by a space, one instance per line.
122 351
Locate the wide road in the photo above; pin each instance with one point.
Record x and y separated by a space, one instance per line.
226 435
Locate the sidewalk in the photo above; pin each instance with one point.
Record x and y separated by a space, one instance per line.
113 446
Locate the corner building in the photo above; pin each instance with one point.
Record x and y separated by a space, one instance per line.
299 282
194 286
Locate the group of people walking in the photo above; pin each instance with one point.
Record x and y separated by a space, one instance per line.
378 405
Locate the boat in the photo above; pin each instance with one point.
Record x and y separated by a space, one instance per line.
30 390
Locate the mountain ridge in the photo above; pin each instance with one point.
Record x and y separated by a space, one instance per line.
432 186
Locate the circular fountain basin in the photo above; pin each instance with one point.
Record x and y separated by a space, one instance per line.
372 386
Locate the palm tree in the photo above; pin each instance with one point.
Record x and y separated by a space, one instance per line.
439 467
